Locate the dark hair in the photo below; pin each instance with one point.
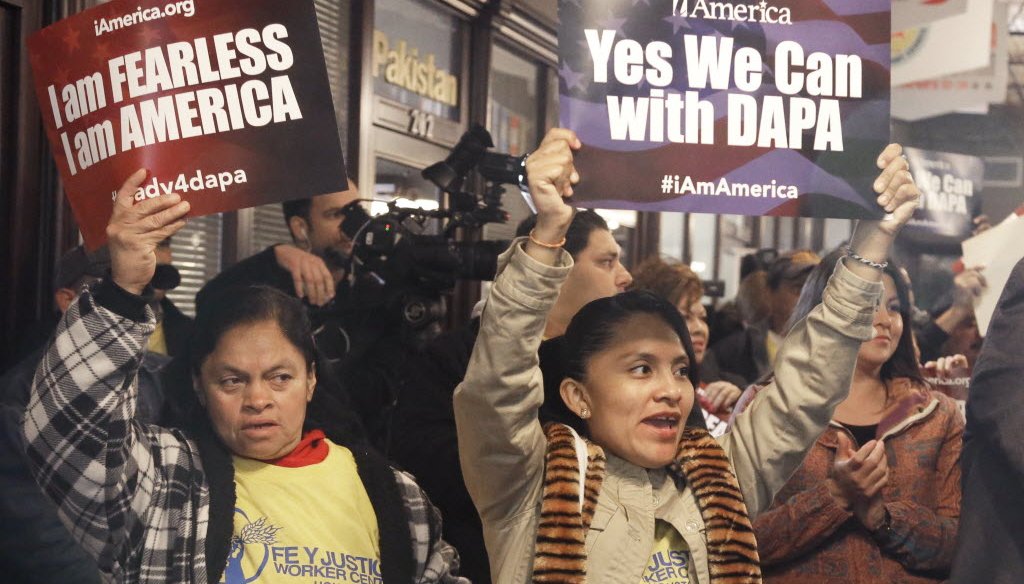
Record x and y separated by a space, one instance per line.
297 208
328 410
670 280
793 266
577 237
592 331
250 305
903 362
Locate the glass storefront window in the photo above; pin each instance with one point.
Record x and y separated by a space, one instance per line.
767 232
806 233
514 102
837 232
417 56
786 227
702 244
404 183
670 235
551 112
513 123
735 242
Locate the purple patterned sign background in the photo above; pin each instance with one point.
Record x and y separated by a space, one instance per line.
799 136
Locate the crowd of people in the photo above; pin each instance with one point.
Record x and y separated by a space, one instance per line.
591 423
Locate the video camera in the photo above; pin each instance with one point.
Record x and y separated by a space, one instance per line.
399 267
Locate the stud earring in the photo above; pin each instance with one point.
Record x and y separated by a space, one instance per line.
584 413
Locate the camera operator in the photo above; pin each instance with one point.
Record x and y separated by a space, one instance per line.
313 268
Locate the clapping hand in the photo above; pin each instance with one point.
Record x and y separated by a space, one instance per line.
858 477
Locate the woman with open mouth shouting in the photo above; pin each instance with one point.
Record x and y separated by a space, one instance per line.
633 493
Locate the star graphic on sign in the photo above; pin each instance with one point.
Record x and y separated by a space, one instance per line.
572 79
60 76
70 38
149 35
101 51
612 23
677 21
36 59
763 6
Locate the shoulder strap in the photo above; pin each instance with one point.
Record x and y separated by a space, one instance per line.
573 472
580 446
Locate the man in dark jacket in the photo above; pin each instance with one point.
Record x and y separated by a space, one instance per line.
35 547
990 546
312 267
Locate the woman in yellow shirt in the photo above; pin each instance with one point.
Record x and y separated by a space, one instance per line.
259 484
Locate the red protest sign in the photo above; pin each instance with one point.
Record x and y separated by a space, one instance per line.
226 102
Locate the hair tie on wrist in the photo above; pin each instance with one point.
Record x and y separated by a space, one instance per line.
848 251
547 245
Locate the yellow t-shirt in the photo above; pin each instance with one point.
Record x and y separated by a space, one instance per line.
158 340
772 342
303 525
670 558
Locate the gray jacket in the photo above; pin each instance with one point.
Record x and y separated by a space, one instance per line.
502 444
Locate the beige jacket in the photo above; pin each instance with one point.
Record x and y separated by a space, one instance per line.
501 442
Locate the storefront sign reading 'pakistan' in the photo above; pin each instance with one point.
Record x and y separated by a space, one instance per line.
777 107
402 65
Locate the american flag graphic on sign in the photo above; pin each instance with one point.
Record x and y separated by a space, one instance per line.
776 107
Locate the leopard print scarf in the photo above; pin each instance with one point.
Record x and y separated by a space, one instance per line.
560 553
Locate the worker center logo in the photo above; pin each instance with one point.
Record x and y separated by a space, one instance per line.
254 537
907 43
760 12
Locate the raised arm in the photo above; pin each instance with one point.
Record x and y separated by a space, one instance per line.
501 443
814 366
84 446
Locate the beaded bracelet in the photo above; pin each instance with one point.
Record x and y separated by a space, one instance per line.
547 245
853 255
